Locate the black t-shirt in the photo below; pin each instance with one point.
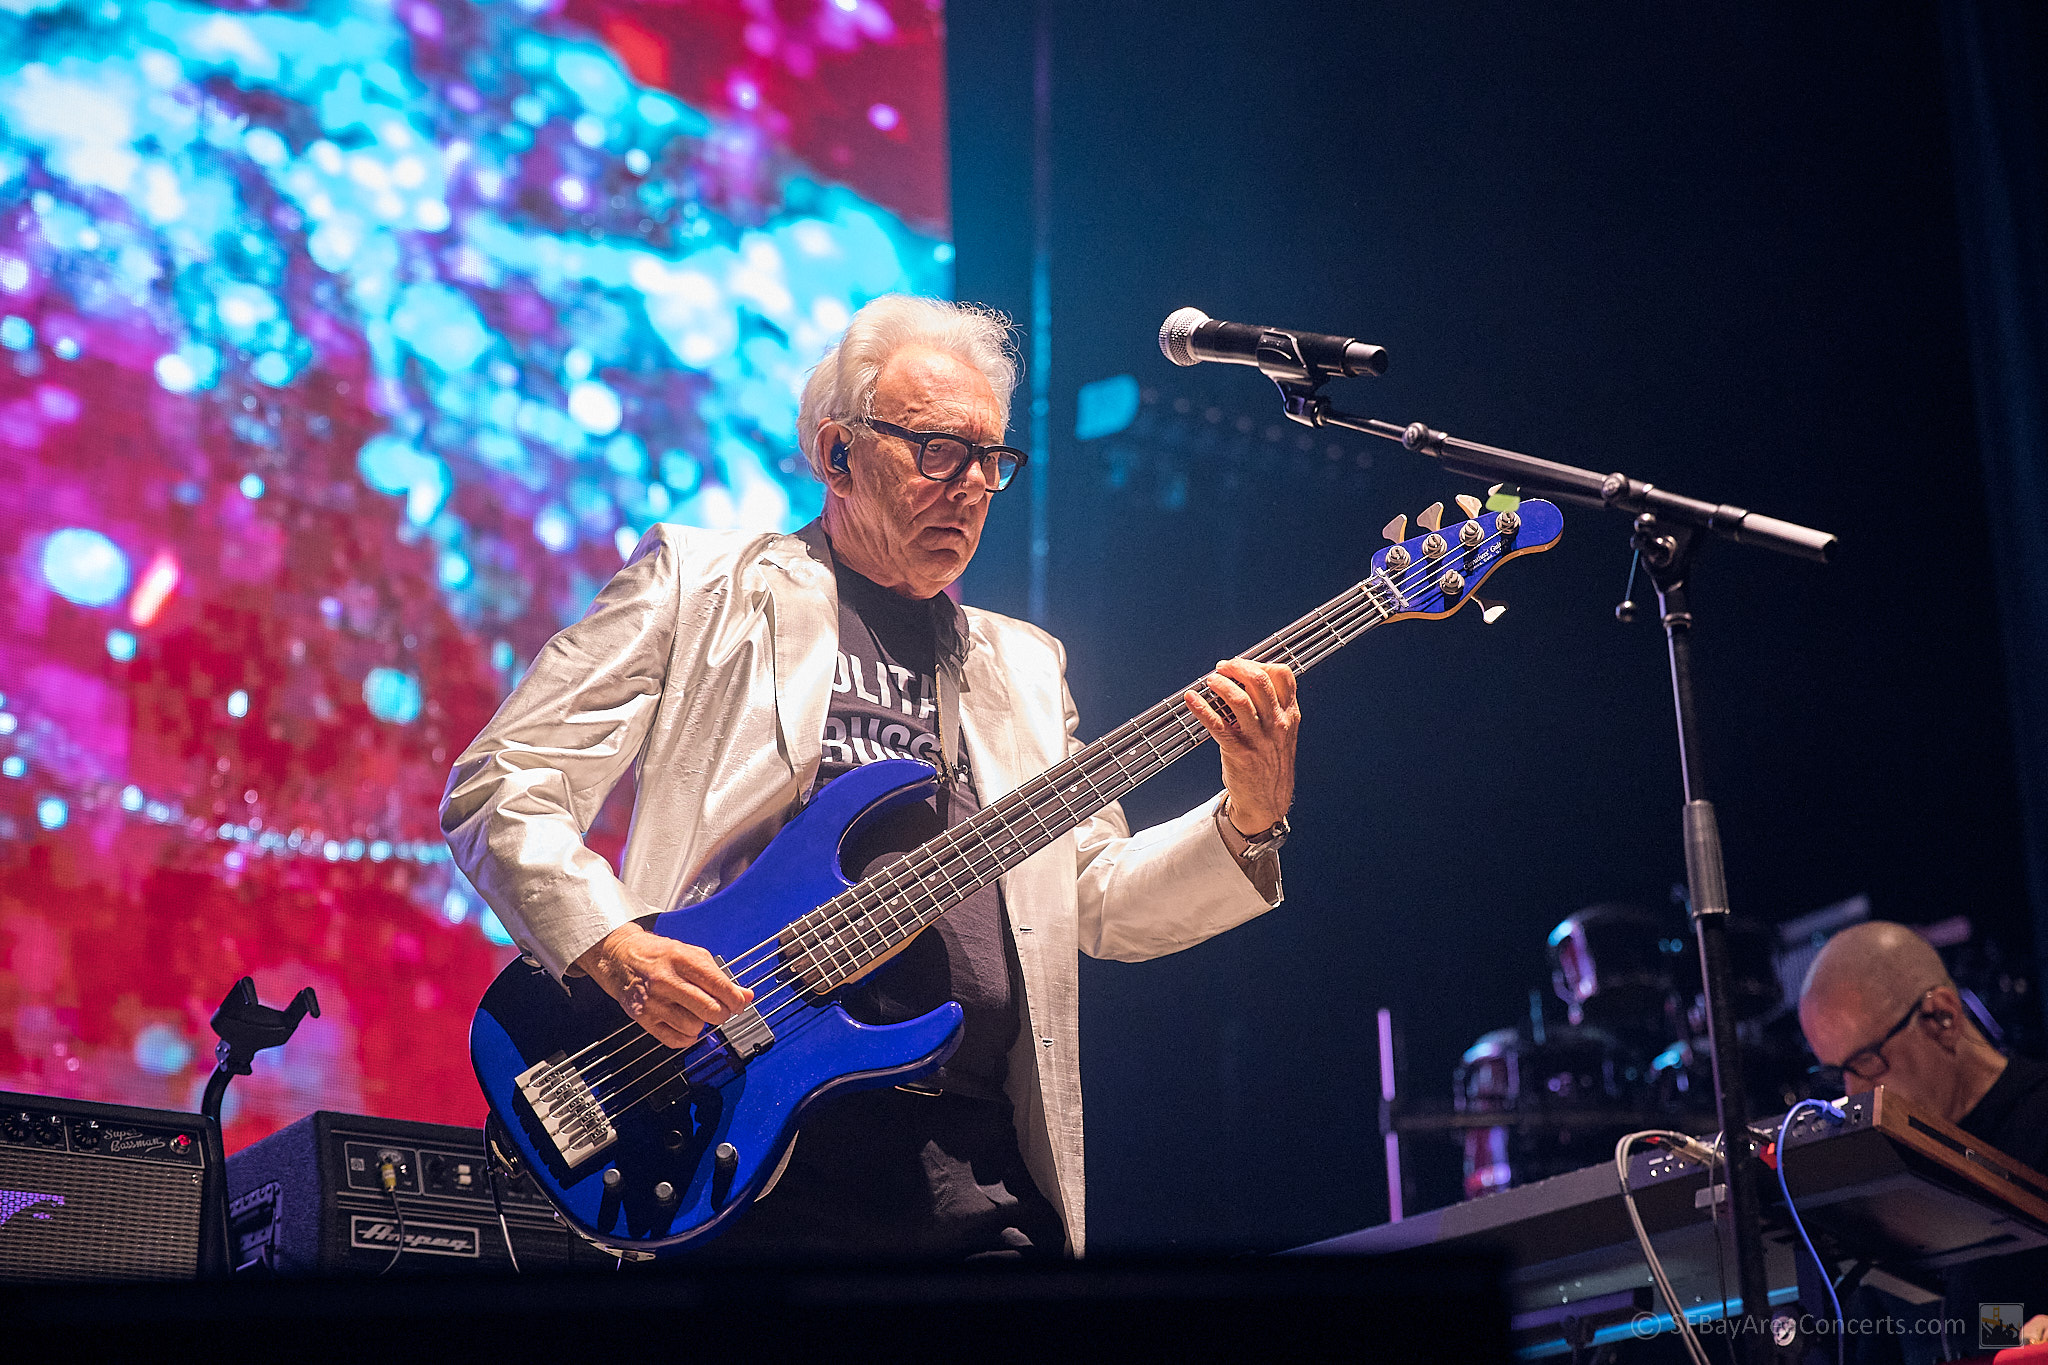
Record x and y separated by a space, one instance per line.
2013 1116
885 704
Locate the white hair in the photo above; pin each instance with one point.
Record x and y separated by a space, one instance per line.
842 386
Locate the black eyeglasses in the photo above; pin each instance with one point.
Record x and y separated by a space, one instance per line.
1869 1063
942 457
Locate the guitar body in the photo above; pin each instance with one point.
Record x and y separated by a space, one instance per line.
669 1128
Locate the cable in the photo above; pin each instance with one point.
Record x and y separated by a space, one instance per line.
387 1176
1692 1150
1826 1276
491 1175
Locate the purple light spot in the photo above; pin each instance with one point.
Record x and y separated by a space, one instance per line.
21 1201
58 404
424 20
883 116
742 91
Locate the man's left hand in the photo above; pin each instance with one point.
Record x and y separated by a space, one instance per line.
1255 728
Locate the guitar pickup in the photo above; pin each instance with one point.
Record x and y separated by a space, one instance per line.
746 1035
567 1108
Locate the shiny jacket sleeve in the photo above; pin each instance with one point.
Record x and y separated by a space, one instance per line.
1165 888
525 791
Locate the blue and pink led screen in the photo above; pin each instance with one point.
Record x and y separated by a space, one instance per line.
348 345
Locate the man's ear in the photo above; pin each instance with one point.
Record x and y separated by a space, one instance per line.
1943 1017
836 442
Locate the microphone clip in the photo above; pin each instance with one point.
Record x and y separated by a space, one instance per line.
1302 402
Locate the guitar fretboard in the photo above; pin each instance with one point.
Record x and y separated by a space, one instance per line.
847 934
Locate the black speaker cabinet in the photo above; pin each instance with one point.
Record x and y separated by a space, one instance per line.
106 1192
310 1200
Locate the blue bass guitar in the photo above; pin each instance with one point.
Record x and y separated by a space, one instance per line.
648 1148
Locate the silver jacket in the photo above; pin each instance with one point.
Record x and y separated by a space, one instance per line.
707 665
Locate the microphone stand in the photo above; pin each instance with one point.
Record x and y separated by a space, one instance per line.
1667 531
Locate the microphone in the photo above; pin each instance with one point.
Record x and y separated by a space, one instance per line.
1190 336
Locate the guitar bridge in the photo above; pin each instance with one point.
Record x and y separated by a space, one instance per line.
567 1109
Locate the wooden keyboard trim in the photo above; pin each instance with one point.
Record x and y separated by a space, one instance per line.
1970 1158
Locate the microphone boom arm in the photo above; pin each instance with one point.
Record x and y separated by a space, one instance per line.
1569 482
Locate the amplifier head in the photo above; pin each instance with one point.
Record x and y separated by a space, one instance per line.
106 1192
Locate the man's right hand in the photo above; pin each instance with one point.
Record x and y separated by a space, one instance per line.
672 989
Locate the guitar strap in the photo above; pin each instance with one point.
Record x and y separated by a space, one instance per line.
948 683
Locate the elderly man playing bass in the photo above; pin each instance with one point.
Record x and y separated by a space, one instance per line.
736 673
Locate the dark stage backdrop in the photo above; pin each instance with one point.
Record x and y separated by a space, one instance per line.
1715 250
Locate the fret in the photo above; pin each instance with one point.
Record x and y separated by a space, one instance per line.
1010 838
1039 820
862 924
835 970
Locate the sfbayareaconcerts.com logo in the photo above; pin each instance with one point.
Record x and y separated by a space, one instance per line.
1998 1324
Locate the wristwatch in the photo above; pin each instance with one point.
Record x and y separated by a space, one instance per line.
1255 845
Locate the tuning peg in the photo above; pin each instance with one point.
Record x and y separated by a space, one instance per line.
1431 518
1469 505
1396 530
1489 612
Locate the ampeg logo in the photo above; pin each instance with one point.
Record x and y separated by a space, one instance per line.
25 1201
432 1239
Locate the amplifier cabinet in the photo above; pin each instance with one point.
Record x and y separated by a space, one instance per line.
310 1200
107 1192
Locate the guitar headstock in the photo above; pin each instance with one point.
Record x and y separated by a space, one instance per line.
1433 574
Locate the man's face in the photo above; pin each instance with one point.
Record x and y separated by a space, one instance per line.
1920 1059
911 534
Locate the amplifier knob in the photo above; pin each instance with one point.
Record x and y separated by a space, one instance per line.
14 1127
87 1135
50 1132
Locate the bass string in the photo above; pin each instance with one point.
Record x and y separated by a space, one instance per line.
1323 631
773 1006
1331 621
779 1001
1333 625
919 867
1109 753
647 1048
